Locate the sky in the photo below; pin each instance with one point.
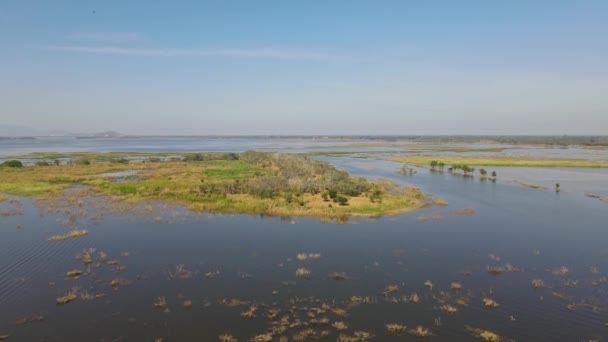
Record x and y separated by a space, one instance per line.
305 67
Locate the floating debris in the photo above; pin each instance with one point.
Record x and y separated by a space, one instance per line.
538 283
70 235
395 328
303 273
489 303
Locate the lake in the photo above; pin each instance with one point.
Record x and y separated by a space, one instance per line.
159 250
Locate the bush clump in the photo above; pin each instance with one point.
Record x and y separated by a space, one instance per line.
12 163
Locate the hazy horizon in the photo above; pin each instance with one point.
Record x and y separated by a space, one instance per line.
277 68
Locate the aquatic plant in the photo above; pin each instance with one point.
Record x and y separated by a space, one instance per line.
227 338
339 325
465 212
339 312
390 289
429 284
68 297
562 271
303 273
414 298
212 274
250 313
357 336
420 331
70 235
338 276
538 283
74 274
262 338
395 328
489 303
161 302
450 310
484 335
456 286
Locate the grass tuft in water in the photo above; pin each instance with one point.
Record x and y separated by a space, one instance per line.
70 235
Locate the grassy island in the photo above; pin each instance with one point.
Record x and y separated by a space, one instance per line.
516 161
249 182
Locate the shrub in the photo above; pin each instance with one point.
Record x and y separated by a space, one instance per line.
325 196
376 196
82 161
12 163
332 194
341 200
120 160
42 163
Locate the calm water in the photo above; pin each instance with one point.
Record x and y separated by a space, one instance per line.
534 230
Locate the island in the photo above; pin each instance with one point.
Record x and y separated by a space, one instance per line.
278 184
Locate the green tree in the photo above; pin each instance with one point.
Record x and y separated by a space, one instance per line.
325 196
434 164
494 174
341 200
12 163
483 172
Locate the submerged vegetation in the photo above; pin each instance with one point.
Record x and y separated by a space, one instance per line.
249 182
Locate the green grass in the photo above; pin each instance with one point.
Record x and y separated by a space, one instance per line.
222 170
502 161
3 198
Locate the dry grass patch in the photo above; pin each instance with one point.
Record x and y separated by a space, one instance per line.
73 234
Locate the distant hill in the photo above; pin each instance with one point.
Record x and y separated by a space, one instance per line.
19 131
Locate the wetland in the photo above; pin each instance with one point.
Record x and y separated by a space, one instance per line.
184 239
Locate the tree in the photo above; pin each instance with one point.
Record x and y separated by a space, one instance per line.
325 196
12 163
341 200
494 174
376 196
434 163
556 187
441 165
333 194
483 172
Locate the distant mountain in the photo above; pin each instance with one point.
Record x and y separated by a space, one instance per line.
19 131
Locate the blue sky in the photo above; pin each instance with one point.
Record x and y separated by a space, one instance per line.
305 67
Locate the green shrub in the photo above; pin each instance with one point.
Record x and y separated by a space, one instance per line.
341 200
333 194
82 161
325 196
12 163
42 163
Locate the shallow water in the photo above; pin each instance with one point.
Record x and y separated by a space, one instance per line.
534 230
